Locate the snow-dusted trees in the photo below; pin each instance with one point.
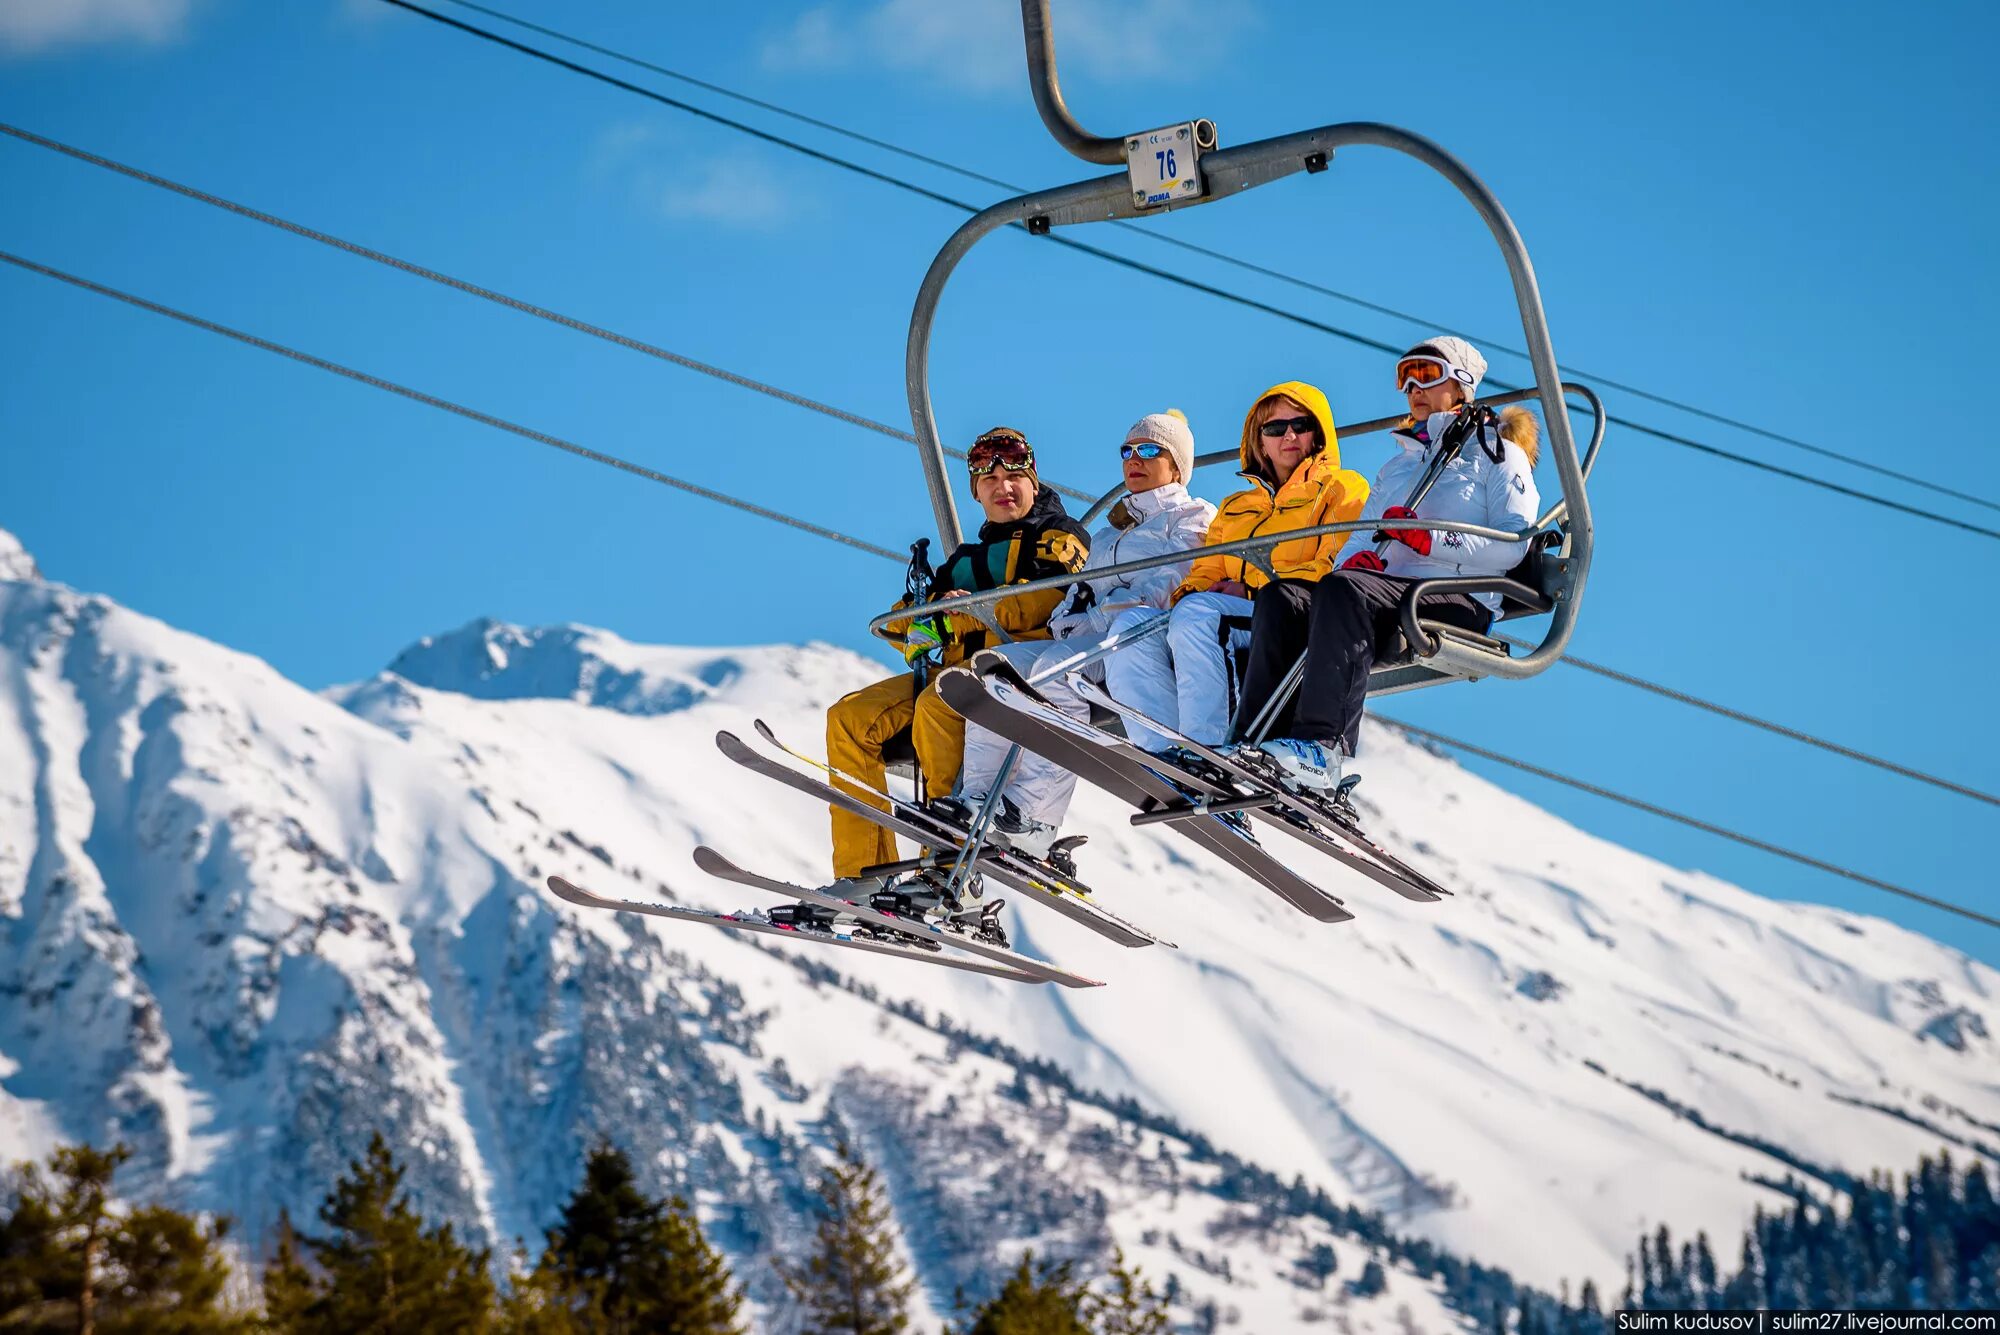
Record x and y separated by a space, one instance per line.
853 1283
71 1259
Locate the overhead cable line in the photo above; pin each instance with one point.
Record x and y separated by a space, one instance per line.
842 415
485 293
1738 716
1222 257
1637 804
832 535
431 400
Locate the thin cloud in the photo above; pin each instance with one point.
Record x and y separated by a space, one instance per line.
975 45
29 27
738 191
668 173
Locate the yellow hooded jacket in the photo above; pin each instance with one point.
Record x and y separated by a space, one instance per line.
1319 492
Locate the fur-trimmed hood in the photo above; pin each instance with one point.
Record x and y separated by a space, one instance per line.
1525 430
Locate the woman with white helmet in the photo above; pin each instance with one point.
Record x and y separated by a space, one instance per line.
1158 516
1343 621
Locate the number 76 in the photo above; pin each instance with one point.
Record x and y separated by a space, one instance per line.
1169 169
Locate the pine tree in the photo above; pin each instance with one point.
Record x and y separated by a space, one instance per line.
382 1271
84 1174
629 1262
853 1284
1035 1300
539 1302
32 1263
288 1285
71 1262
1127 1303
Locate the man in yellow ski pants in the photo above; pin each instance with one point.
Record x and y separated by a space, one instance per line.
1027 536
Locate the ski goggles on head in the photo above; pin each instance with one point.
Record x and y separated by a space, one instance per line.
1276 428
1428 372
1141 450
990 452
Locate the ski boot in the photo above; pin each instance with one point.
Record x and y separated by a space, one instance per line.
926 893
981 922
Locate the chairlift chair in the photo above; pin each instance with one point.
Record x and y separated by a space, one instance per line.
1182 166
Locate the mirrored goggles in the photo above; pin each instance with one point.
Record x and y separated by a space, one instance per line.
991 452
1426 372
1141 450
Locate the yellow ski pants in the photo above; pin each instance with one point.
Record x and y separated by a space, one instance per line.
858 726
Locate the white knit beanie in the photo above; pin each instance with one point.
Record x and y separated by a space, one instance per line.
1168 429
1459 355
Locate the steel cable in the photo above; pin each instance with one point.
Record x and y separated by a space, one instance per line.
484 293
431 400
1692 822
1738 716
1207 252
774 391
820 531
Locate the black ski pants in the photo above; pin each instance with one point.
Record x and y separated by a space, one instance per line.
1340 622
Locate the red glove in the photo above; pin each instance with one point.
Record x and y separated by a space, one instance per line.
1363 561
1417 540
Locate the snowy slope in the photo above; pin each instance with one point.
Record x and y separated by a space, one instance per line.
241 925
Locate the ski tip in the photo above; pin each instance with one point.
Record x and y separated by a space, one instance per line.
712 862
764 731
571 891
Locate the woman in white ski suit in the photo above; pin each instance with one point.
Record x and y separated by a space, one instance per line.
1343 621
1187 678
1160 519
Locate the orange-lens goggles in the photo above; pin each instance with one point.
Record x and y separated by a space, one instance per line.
1421 373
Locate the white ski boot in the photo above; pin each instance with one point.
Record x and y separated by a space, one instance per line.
1303 767
1030 838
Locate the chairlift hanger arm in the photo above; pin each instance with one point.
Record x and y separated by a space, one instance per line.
1041 41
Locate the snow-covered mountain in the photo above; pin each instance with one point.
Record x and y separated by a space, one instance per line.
242 925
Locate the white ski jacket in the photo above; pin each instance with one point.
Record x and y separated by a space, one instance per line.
1491 483
1165 519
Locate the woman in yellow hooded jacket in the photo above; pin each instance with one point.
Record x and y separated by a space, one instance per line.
1188 676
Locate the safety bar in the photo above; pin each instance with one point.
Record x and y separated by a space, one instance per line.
1368 428
1251 548
1041 41
1229 171
1424 644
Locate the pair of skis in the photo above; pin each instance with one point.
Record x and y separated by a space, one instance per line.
992 693
849 920
849 924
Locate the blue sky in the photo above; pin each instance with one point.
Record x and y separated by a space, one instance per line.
1782 213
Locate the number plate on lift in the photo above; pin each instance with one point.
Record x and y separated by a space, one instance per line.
1164 165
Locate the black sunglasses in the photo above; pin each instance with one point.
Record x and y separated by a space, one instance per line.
1278 426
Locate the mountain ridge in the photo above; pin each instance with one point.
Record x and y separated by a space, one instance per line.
241 924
